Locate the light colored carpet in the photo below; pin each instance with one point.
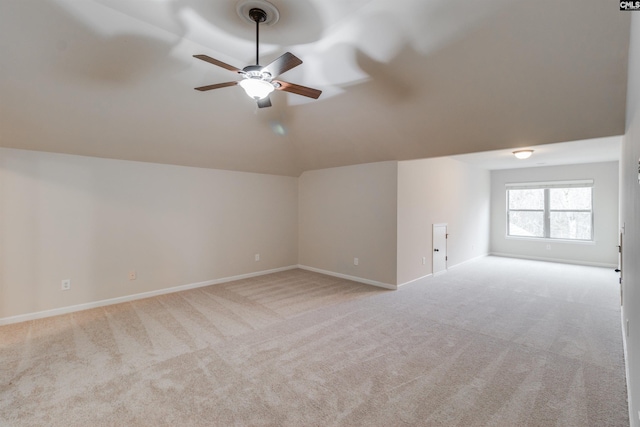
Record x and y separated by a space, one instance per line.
495 342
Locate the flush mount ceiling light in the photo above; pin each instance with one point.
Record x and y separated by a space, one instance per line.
258 81
523 154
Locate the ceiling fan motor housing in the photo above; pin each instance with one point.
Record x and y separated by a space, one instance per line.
256 72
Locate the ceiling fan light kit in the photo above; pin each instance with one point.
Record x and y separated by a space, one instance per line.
256 88
258 81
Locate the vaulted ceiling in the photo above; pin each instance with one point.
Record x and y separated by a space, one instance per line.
401 79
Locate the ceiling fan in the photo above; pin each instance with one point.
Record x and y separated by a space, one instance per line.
258 81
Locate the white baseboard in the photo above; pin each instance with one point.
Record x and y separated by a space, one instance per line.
415 280
626 367
559 260
352 278
444 271
479 257
127 298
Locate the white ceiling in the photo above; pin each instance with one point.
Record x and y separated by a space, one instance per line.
563 153
401 79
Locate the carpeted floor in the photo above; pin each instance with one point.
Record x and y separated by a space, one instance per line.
495 342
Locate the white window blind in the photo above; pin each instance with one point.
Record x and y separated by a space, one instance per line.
551 184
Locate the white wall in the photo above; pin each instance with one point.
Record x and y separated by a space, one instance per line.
630 217
350 212
93 220
440 190
601 252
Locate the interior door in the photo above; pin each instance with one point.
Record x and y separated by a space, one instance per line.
439 248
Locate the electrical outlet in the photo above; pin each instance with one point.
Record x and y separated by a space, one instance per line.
548 247
424 260
356 261
132 275
257 257
66 284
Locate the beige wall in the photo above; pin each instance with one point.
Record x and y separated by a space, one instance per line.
602 252
434 191
346 213
93 220
630 217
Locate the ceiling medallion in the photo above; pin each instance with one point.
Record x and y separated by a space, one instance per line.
244 11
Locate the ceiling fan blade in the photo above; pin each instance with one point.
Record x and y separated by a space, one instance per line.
216 86
216 62
265 102
283 64
298 89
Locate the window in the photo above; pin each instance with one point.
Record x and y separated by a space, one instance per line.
553 210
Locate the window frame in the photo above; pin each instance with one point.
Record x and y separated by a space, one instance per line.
546 211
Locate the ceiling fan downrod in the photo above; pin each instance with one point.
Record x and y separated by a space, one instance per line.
258 16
